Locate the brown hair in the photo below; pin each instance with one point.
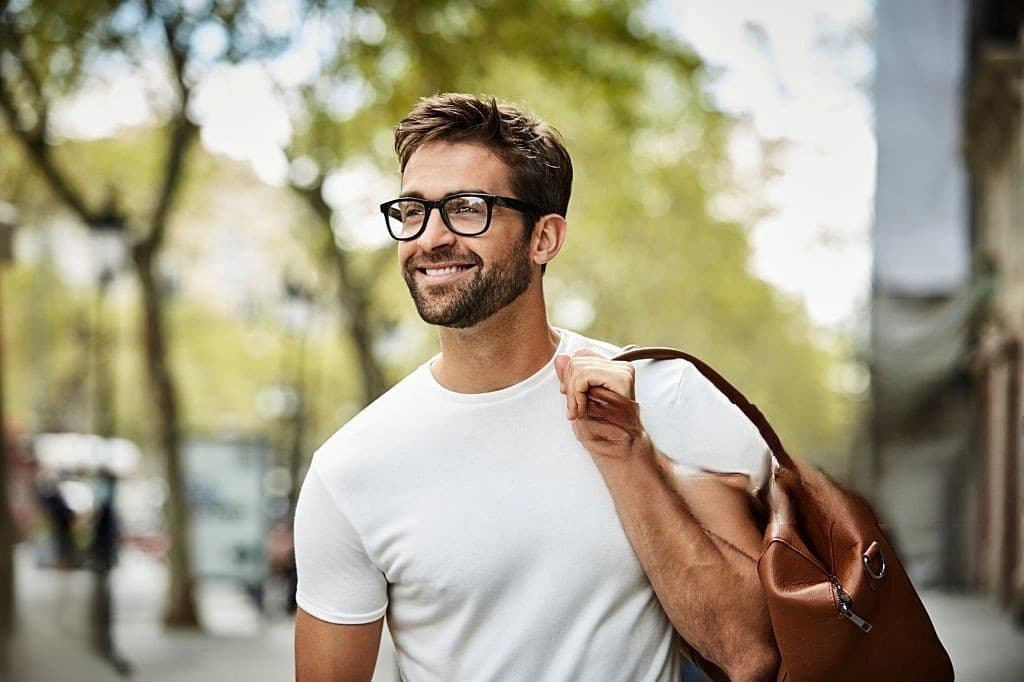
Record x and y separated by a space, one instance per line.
540 170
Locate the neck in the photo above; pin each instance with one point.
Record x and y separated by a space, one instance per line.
504 349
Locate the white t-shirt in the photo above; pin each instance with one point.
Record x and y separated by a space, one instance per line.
481 526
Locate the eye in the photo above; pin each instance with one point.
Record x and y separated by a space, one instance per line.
467 206
411 210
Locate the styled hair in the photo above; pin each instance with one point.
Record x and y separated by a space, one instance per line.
540 170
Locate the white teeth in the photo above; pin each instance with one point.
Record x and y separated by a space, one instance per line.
433 272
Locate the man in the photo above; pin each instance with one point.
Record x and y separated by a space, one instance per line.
504 504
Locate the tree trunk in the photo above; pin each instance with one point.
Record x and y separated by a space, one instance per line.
180 609
353 299
103 419
355 306
7 606
7 609
297 446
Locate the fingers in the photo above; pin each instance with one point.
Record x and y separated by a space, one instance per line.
561 362
586 369
612 422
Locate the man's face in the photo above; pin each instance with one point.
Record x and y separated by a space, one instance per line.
459 281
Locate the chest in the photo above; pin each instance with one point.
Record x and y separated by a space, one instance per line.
491 510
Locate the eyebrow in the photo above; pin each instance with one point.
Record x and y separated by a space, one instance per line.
419 195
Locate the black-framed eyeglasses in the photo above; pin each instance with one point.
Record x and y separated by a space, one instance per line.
465 213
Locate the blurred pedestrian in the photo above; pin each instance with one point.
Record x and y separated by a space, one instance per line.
103 553
61 520
281 558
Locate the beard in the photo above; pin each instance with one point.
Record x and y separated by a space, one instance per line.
465 303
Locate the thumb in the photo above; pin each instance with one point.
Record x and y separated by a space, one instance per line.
561 362
588 352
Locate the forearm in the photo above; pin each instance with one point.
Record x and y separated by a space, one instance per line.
709 589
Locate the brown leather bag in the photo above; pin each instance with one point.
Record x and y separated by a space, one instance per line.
841 604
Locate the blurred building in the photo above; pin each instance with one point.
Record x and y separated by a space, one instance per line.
947 463
995 152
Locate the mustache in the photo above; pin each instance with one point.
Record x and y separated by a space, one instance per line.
439 257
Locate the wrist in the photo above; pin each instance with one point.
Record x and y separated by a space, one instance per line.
637 448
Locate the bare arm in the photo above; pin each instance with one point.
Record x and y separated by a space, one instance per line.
707 583
328 652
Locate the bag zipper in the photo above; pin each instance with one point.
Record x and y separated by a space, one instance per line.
846 607
845 601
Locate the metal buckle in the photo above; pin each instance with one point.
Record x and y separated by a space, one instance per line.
868 562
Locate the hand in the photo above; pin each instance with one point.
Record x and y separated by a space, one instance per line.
600 397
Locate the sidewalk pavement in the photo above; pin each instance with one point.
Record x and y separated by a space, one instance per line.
239 643
982 641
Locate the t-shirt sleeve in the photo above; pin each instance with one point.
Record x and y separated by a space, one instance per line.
702 431
337 582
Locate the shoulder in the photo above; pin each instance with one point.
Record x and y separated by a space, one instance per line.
695 424
372 431
658 383
575 341
688 418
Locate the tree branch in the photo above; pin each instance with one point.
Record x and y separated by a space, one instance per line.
18 52
34 141
315 198
181 135
183 130
352 296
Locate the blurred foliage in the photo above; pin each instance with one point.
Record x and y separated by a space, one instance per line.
223 361
644 251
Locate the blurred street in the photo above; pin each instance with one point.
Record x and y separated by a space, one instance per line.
53 640
984 645
52 645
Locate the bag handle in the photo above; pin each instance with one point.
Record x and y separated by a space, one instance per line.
748 408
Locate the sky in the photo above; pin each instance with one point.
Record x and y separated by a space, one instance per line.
795 74
797 71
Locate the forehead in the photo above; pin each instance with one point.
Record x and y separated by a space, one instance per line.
440 168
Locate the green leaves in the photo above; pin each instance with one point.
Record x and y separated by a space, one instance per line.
644 251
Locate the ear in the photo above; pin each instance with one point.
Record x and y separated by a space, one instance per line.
548 236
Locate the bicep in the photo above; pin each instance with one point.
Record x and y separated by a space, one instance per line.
699 429
331 652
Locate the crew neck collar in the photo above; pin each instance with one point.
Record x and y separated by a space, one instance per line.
515 390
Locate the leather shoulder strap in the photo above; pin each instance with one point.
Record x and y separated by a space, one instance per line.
731 392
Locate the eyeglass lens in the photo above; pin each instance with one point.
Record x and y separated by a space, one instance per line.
466 215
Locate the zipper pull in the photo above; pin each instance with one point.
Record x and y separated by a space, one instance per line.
846 608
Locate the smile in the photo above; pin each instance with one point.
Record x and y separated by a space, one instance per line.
444 272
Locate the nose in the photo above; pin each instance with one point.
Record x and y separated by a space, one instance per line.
436 234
